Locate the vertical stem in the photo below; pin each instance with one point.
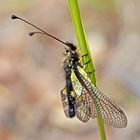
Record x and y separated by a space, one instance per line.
83 45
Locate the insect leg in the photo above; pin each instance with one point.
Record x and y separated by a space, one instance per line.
85 64
84 55
80 61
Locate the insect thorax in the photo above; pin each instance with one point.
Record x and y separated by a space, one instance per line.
71 57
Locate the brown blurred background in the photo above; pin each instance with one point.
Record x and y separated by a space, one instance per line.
31 73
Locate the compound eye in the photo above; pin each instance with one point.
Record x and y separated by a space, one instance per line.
67 51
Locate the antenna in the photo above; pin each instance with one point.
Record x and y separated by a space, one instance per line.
41 31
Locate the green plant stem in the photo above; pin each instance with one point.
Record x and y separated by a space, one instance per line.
83 45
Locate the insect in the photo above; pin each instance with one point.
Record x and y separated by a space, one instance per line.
80 97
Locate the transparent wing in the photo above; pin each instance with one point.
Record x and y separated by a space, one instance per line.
83 106
81 110
108 110
65 102
101 105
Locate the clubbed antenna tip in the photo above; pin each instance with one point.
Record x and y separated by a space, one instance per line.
14 17
31 34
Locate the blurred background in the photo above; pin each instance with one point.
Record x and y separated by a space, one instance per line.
31 73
